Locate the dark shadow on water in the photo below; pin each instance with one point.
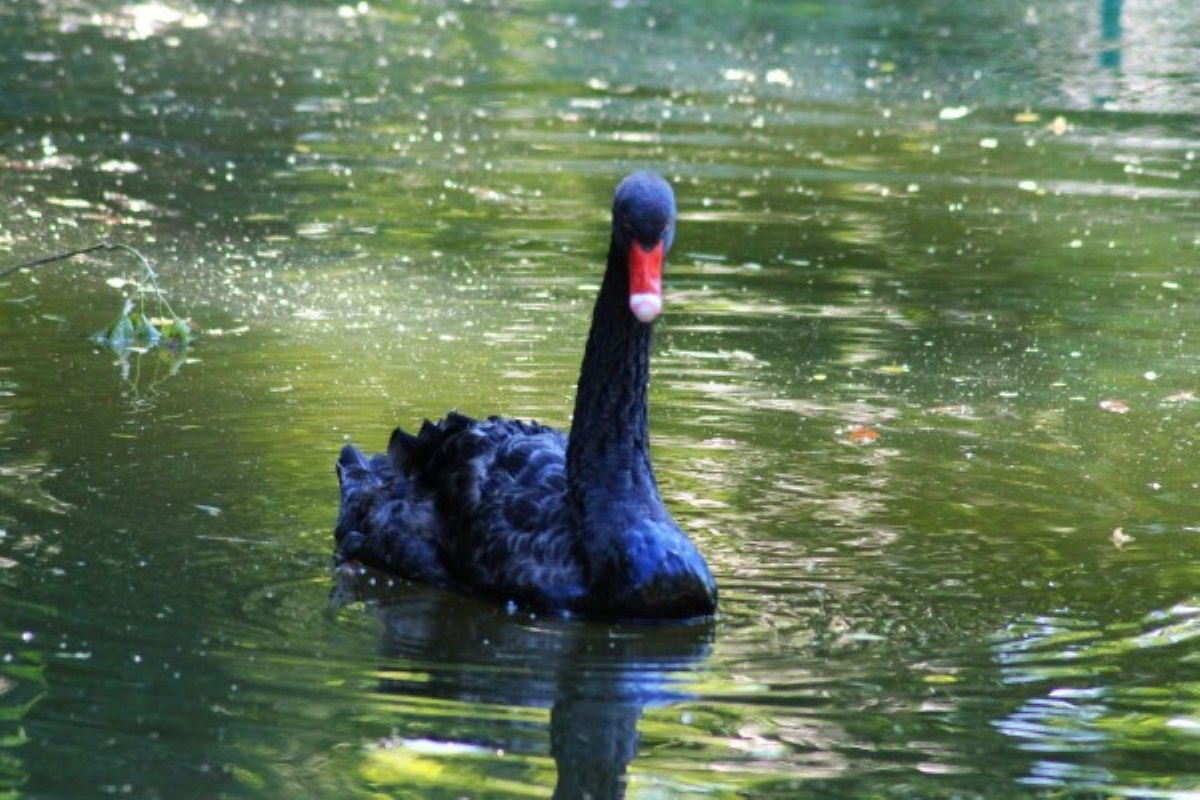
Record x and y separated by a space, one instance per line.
597 678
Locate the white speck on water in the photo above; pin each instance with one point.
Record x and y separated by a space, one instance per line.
779 77
212 511
69 202
739 75
989 143
953 112
1186 724
433 747
116 167
1075 244
26 636
1150 375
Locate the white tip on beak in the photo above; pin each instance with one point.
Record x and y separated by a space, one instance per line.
646 306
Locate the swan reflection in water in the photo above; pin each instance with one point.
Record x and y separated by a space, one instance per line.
596 678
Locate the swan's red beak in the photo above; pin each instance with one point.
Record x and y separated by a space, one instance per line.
645 281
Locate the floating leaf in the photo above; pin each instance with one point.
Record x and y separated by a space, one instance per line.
1119 539
940 678
861 434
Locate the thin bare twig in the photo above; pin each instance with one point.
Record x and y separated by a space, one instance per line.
37 262
105 245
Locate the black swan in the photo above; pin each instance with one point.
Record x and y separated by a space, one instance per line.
519 511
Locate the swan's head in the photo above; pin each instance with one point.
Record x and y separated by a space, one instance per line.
643 227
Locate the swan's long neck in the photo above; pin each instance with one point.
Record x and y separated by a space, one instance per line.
608 457
637 561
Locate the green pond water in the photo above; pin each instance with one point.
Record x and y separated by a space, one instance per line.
925 393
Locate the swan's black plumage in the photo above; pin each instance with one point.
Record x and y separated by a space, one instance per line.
518 511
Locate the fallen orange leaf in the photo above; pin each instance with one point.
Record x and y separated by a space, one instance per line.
861 434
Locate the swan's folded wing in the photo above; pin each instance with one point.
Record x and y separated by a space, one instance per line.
500 489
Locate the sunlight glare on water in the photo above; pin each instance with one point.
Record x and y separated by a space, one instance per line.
924 393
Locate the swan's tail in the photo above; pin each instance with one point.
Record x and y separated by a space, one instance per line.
384 520
361 488
351 465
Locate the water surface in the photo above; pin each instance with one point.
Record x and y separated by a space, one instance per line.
924 393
